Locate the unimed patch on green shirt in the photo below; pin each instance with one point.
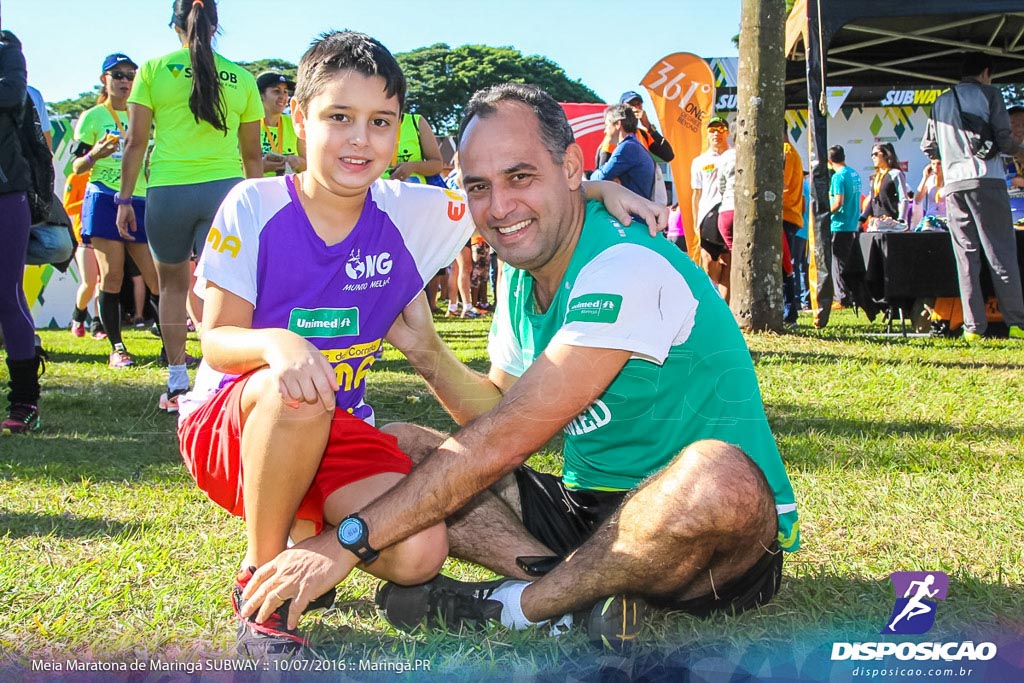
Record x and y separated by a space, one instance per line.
594 308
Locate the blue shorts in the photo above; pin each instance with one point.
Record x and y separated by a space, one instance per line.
99 215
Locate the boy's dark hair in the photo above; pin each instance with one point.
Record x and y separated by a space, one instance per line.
337 51
624 113
837 154
555 131
974 63
199 22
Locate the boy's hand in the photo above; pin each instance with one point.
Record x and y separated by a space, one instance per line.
621 202
304 375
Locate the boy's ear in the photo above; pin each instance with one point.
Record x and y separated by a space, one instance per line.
298 119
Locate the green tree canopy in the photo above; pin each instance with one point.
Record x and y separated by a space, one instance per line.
260 65
442 79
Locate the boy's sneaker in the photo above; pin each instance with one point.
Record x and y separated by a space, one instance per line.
472 314
442 602
120 358
21 419
1016 332
272 639
615 622
169 399
77 328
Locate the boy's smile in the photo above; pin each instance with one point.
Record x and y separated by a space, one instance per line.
350 130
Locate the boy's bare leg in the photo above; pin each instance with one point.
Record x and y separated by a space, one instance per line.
281 450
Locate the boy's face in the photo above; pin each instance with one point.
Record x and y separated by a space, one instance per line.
350 130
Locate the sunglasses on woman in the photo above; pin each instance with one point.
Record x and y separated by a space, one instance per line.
122 75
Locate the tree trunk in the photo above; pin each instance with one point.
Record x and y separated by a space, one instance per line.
756 292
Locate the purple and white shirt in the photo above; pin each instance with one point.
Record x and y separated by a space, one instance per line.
342 298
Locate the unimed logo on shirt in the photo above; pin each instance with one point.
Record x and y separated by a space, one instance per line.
324 322
594 308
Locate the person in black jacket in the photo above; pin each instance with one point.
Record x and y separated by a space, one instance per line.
15 219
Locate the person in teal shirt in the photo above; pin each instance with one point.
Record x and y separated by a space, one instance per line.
844 202
672 486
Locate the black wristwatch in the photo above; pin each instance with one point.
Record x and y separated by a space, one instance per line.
354 536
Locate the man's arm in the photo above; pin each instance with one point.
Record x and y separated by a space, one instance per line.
1000 121
929 145
836 203
616 166
560 384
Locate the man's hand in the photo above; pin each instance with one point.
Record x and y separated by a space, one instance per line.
303 374
301 573
621 203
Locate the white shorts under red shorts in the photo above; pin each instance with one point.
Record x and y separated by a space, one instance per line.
210 440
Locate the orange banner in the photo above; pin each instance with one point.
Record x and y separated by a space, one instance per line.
682 90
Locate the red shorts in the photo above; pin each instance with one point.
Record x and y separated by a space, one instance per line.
210 440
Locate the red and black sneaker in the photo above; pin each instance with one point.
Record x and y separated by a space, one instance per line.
21 419
272 639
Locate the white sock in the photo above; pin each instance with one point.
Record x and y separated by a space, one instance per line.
465 307
453 308
177 377
510 595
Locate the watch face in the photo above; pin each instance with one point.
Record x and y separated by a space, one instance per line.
350 530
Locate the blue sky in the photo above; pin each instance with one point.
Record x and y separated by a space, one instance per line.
609 45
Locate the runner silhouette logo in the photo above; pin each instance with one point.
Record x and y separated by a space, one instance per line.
917 595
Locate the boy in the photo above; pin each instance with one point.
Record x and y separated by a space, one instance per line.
302 277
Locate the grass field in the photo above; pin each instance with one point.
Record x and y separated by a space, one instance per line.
905 454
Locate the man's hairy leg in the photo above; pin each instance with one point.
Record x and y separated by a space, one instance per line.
699 523
488 531
281 449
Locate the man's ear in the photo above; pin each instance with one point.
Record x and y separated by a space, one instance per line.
572 164
298 119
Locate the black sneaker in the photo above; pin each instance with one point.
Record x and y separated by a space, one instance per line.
272 639
615 622
442 602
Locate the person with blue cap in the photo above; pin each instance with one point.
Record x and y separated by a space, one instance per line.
646 133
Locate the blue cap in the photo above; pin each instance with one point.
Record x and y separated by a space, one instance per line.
629 96
116 59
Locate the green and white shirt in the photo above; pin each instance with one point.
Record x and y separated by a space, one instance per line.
690 377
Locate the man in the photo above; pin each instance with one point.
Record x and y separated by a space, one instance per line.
629 164
672 487
647 133
792 223
707 199
977 204
1015 166
844 203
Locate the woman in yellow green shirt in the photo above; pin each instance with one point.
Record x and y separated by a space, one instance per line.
101 133
205 111
283 151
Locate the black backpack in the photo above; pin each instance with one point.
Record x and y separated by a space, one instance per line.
40 161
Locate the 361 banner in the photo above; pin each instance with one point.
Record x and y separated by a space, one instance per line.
682 91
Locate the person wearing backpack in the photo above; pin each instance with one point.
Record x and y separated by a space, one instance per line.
16 181
967 130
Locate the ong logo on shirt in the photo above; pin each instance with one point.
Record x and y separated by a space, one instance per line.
594 308
324 322
178 69
361 268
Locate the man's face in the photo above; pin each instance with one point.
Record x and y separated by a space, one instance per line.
1017 126
612 128
718 137
522 201
275 98
350 130
638 107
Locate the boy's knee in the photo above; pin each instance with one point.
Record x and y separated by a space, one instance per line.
421 556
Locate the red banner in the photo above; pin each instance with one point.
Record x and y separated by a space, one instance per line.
587 121
682 90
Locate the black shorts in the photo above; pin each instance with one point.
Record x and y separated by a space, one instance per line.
563 519
711 239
